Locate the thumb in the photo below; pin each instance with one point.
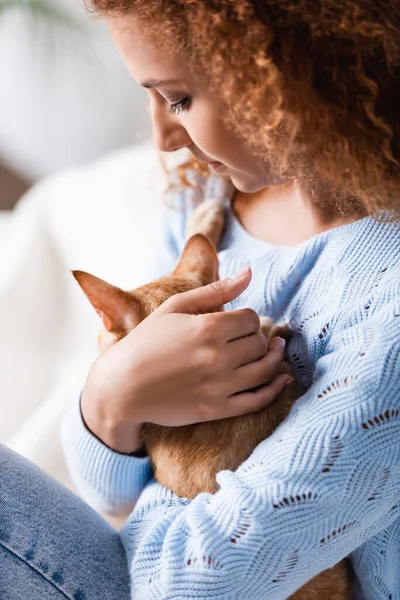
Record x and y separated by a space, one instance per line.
210 297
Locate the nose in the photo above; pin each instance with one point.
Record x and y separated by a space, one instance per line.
169 135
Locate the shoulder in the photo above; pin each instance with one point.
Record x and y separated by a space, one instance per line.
352 267
363 348
348 305
369 266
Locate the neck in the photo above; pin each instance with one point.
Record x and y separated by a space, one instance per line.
284 215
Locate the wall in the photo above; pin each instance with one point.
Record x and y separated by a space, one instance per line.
65 95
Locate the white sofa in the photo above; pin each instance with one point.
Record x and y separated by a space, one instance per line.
97 218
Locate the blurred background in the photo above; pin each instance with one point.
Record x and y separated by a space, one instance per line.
65 96
79 183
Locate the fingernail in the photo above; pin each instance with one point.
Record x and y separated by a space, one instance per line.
282 342
239 274
289 382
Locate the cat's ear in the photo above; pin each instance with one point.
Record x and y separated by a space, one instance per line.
118 310
198 258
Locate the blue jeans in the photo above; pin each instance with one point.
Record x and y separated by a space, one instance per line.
52 544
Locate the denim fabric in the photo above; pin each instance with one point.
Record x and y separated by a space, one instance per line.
52 544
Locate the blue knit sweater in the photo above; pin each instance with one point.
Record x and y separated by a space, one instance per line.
326 484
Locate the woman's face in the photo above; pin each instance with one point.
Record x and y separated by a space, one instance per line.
184 112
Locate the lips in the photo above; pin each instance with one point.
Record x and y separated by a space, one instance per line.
215 165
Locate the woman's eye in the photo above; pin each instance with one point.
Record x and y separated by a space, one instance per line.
180 107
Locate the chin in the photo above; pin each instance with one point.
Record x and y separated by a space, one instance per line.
248 184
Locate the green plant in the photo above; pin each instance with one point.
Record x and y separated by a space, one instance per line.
40 9
58 27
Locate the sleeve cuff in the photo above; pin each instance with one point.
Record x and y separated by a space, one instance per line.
108 481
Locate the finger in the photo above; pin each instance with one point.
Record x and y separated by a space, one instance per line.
209 297
247 350
261 371
231 325
248 402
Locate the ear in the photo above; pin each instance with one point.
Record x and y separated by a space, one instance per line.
198 258
118 310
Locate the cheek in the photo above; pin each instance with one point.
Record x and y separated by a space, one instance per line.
206 130
210 134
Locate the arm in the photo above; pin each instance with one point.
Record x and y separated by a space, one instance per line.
323 484
111 481
209 377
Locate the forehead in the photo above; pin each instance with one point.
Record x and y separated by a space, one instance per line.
143 58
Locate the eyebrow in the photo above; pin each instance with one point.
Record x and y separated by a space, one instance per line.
153 83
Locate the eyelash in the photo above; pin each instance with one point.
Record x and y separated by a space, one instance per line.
180 107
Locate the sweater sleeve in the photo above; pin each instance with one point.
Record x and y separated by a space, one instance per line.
109 481
324 483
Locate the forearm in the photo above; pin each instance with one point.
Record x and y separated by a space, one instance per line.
318 489
119 435
265 533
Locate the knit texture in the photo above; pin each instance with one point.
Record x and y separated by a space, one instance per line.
326 484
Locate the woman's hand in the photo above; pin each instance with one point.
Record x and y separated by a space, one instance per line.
184 365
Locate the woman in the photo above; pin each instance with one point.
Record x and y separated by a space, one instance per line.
296 105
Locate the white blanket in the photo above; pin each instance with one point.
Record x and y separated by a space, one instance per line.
97 218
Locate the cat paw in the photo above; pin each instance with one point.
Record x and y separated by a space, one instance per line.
208 219
271 329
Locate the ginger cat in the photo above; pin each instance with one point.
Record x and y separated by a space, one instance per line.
186 459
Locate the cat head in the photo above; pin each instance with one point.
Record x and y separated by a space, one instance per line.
121 311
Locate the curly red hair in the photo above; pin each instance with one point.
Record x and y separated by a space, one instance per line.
312 85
